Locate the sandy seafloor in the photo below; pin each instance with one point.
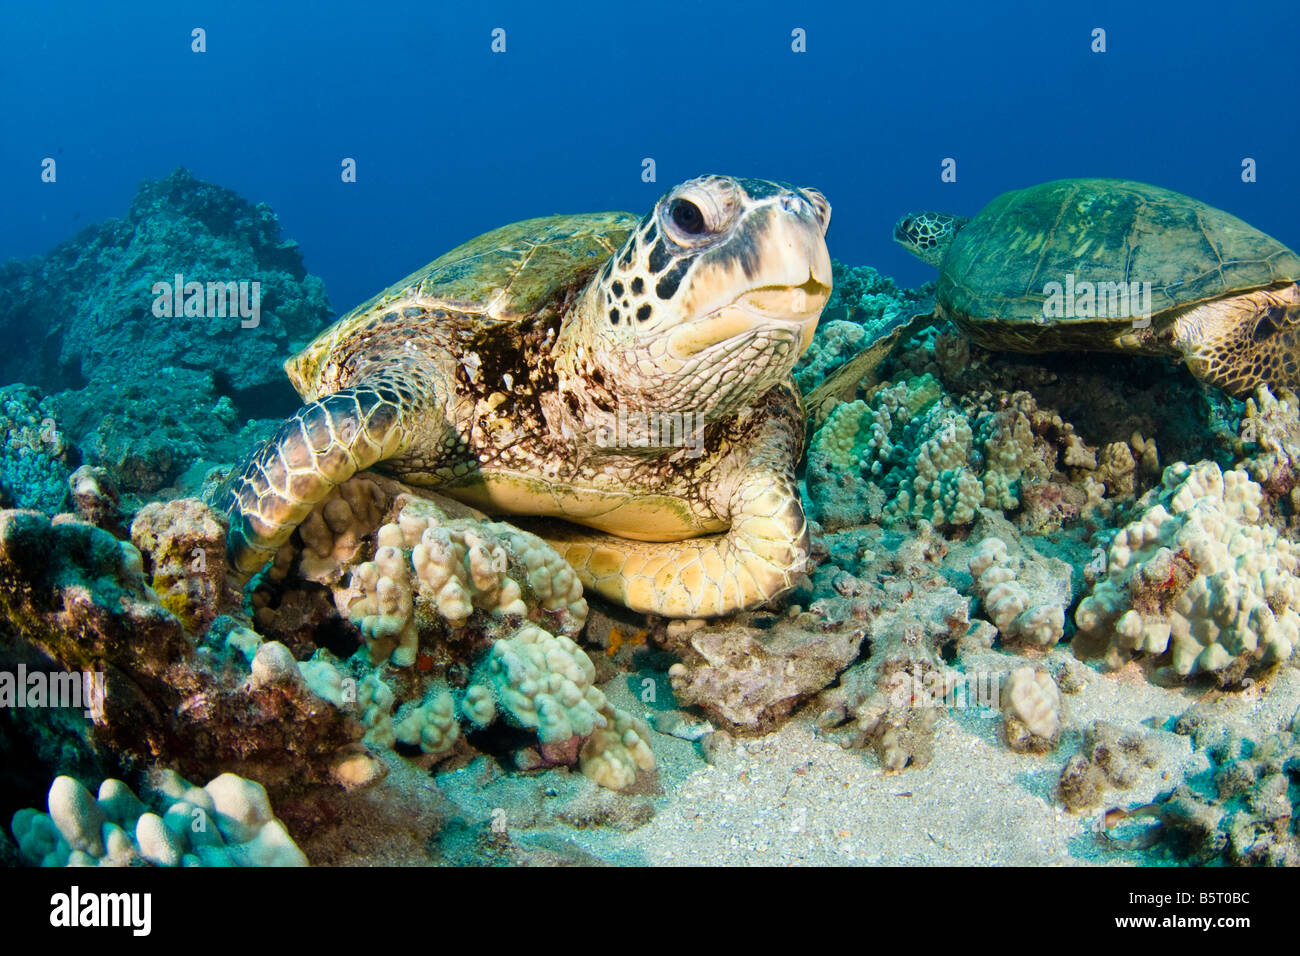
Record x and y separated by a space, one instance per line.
790 798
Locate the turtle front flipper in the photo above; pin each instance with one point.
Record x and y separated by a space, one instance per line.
859 371
757 560
324 444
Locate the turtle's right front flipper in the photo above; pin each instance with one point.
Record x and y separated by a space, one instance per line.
324 444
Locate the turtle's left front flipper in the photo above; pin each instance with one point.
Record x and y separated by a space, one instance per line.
842 384
757 560
327 442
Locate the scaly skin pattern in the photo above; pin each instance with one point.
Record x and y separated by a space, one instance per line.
928 234
1220 294
512 373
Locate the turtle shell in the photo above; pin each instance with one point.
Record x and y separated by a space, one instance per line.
997 272
517 271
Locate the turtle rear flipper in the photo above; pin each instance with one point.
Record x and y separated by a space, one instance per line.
327 442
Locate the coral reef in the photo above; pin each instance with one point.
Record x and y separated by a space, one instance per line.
1242 810
183 542
437 591
227 823
332 536
749 672
95 499
910 452
146 434
1199 576
1270 431
431 566
147 413
856 444
937 483
431 725
80 596
402 647
92 297
862 302
748 677
546 683
537 681
35 458
891 702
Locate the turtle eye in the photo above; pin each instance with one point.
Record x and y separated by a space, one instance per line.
687 217
697 213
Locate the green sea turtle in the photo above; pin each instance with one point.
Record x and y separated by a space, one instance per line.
1110 265
632 377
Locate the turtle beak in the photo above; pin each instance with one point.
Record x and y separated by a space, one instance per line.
795 308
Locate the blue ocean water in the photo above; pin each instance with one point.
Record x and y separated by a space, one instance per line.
451 139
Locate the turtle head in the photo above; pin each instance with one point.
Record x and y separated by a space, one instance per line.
927 235
712 298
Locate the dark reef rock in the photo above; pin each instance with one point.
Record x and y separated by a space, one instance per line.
140 395
86 309
1243 810
1111 759
146 434
749 678
76 594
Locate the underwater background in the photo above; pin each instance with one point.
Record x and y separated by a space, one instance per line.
978 515
451 141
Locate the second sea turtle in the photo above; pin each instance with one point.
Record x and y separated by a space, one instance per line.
1112 265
